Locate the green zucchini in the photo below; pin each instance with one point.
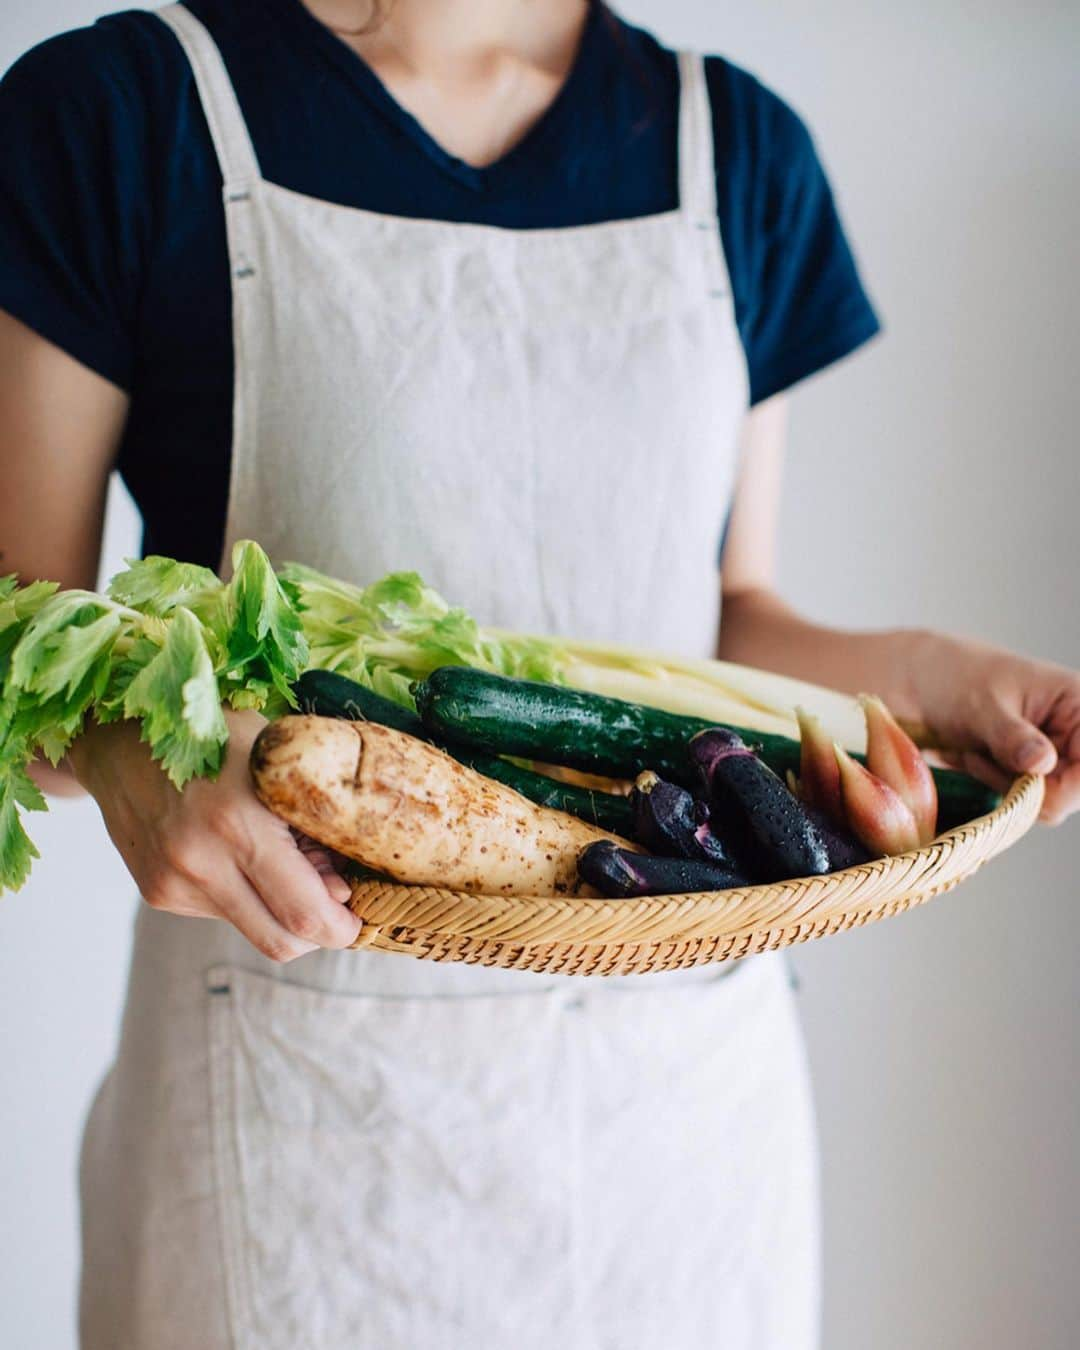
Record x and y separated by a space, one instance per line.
504 716
329 694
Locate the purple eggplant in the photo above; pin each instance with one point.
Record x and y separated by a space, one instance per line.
620 874
769 831
844 849
668 821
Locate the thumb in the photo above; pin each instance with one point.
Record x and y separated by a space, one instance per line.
1016 743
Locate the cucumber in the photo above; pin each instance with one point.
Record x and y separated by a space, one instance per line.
328 694
501 715
325 693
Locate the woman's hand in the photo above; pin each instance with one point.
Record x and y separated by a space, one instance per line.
1004 715
213 850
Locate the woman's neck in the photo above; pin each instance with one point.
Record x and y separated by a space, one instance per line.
477 74
456 38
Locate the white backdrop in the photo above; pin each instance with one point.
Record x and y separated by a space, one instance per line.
934 479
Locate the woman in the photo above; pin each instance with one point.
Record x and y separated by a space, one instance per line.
509 294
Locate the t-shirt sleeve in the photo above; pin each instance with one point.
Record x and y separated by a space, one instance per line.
73 201
799 302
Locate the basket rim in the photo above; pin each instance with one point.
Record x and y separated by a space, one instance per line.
535 920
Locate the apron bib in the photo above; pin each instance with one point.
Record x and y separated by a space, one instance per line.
362 1151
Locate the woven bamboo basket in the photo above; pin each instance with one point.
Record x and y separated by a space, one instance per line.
557 935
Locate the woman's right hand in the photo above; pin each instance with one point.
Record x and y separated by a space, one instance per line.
213 850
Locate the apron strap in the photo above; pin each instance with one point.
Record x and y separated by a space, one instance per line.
697 172
235 152
697 160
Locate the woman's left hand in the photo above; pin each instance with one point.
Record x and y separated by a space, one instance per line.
1001 715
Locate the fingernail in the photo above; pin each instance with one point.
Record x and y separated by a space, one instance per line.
1031 753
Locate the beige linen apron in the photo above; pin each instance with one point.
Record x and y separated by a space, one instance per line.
361 1151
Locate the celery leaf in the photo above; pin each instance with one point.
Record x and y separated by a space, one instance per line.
157 585
17 851
176 698
266 640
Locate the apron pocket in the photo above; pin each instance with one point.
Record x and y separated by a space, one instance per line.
396 1173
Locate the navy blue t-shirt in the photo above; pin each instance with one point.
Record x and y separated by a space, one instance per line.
112 232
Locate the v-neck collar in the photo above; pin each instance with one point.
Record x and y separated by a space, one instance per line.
546 129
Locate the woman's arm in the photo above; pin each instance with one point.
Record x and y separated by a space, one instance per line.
212 850
758 628
60 425
1003 713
